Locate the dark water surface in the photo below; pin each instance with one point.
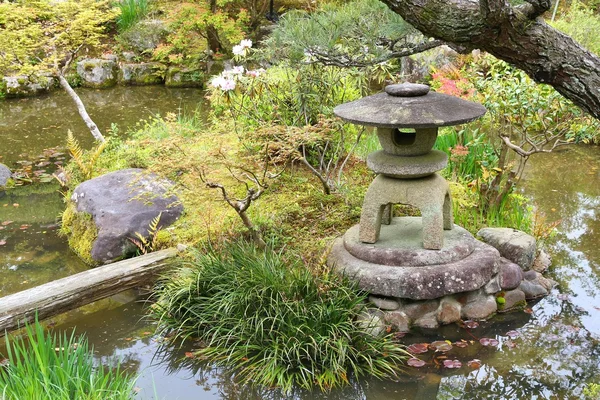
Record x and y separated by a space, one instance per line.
556 353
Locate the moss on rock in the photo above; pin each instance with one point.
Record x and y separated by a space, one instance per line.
81 232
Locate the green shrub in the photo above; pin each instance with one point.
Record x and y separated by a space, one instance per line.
357 29
582 24
44 366
132 11
272 321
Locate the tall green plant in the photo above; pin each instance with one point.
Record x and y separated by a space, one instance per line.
132 11
272 321
44 366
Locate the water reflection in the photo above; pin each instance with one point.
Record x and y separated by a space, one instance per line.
31 125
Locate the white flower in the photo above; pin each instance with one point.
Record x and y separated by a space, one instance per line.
254 73
238 50
237 70
222 83
228 85
217 82
246 43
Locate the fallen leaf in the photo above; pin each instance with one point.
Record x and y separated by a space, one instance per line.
15 204
528 310
4 223
2 242
474 363
189 354
461 344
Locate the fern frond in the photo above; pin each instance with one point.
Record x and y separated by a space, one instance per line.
94 157
76 152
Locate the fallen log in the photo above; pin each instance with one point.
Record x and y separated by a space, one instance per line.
80 289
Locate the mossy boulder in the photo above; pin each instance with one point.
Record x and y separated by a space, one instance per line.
26 86
98 73
185 77
142 74
111 210
5 176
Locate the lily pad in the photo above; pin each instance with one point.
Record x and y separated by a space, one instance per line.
418 348
471 324
441 345
488 342
452 364
415 362
513 334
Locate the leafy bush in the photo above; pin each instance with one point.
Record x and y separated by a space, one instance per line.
46 366
189 26
132 11
582 24
272 321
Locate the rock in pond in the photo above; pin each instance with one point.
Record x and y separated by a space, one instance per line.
26 86
183 77
122 203
97 73
512 244
5 175
142 74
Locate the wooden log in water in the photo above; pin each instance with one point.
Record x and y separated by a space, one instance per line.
80 289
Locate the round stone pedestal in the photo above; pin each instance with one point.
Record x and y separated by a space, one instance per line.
398 266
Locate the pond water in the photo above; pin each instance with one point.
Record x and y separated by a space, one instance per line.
30 125
555 353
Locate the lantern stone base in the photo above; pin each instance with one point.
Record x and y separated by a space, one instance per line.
411 286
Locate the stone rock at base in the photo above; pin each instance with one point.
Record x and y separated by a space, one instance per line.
493 286
542 261
532 289
510 274
25 86
183 77
97 73
142 74
428 282
479 306
512 244
512 299
5 175
427 321
417 309
384 303
448 311
122 203
530 275
547 283
371 321
398 320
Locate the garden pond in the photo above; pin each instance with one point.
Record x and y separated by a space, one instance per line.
549 351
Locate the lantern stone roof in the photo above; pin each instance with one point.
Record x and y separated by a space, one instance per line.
409 105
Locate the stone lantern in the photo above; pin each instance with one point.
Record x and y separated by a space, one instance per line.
407 117
411 257
422 271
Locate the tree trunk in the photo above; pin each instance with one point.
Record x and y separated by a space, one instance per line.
517 35
81 108
80 289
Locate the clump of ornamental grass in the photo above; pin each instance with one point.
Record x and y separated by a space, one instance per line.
45 366
272 321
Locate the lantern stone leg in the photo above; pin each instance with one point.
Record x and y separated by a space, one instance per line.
430 194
